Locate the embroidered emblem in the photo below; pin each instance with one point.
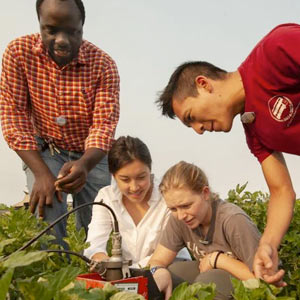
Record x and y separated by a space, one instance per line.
281 108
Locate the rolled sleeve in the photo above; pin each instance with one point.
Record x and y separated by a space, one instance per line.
172 236
106 111
99 229
14 98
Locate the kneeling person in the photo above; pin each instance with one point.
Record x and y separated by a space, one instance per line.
136 200
220 235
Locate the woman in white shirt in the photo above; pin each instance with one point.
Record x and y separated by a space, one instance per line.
135 198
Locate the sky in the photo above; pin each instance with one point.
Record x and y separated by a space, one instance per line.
148 40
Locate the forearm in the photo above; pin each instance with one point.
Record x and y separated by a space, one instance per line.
235 267
43 188
279 205
157 262
34 161
282 199
91 157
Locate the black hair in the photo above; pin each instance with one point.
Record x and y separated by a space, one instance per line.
125 150
182 83
79 4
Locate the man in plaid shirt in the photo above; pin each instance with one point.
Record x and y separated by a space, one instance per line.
59 109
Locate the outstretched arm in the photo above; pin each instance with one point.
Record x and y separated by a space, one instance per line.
282 200
224 262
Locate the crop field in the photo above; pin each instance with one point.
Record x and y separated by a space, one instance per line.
36 274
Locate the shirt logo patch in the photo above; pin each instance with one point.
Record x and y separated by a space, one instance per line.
281 108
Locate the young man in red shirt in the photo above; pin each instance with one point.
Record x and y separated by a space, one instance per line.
265 91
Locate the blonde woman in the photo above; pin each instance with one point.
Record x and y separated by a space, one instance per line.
220 235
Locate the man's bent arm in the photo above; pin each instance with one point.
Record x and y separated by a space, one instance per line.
282 198
73 174
43 188
281 203
106 109
14 103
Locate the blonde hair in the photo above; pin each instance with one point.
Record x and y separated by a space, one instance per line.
185 175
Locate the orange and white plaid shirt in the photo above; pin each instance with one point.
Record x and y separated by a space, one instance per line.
76 107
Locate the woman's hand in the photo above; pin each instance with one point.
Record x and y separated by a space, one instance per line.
207 262
163 281
97 257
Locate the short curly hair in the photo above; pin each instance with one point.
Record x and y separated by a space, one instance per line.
79 4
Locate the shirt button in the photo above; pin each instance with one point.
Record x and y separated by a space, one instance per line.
61 120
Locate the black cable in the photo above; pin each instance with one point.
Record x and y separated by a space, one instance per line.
115 223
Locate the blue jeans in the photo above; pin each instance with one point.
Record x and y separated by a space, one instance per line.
97 178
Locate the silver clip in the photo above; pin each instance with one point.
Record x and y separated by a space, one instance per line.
56 149
51 149
204 242
61 120
248 117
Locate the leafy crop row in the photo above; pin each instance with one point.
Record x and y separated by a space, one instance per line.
35 274
255 205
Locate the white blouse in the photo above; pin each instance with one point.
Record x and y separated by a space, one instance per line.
138 242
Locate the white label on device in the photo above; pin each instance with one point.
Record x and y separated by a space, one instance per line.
129 287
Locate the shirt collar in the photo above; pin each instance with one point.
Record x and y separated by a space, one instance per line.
39 49
209 236
81 59
155 195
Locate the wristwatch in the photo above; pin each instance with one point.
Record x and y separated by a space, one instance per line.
153 269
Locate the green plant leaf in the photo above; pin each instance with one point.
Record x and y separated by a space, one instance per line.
79 292
194 291
179 291
21 258
251 283
33 290
62 278
255 289
126 296
5 282
49 286
5 243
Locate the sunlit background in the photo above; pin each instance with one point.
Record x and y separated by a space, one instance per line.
148 40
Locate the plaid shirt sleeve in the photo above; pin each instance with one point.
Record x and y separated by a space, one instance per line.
106 110
14 108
